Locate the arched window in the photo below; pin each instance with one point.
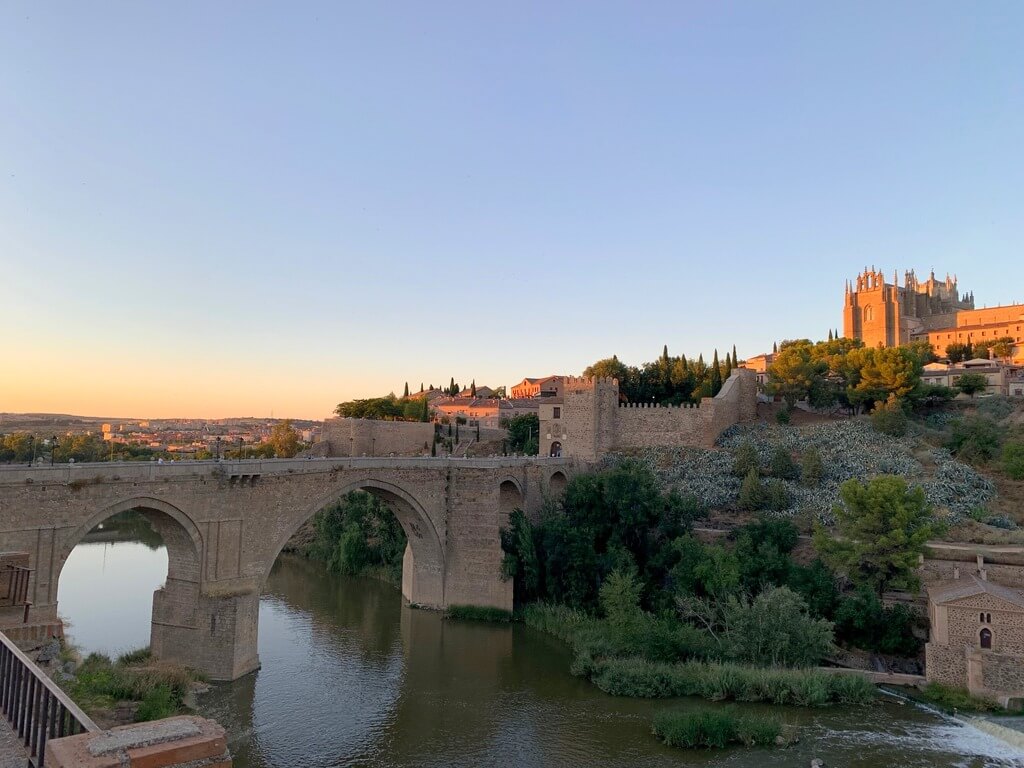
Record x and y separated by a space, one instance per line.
556 449
869 313
986 638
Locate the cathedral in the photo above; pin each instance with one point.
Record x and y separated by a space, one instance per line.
883 314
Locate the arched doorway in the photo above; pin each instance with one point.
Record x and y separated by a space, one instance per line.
556 450
510 498
557 483
985 636
130 569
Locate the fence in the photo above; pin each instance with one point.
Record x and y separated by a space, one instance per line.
36 708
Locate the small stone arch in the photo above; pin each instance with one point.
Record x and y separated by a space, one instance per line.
985 638
556 450
423 564
557 483
510 498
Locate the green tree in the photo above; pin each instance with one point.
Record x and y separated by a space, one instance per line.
285 439
519 562
794 372
1002 347
889 418
716 375
608 368
775 629
881 530
620 600
957 353
753 495
524 434
811 467
406 392
782 465
975 439
745 459
972 383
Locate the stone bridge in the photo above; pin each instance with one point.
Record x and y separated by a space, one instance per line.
225 522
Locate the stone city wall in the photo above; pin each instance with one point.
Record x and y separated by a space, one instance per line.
594 423
932 571
1003 673
371 437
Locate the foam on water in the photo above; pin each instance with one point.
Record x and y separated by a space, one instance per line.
949 738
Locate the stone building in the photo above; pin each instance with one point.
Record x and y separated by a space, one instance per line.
883 314
588 420
977 636
1001 379
546 386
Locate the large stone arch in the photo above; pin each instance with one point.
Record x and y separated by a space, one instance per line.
510 497
175 603
423 567
557 482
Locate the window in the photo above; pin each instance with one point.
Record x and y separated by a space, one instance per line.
985 637
556 450
869 313
557 412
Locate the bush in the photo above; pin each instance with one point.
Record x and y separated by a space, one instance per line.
782 416
753 495
138 656
714 728
745 459
862 621
975 439
778 496
889 418
157 704
1013 460
774 629
948 698
782 465
160 689
812 470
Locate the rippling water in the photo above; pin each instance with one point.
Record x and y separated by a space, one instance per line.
350 677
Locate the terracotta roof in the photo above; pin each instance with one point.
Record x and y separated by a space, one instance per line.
951 591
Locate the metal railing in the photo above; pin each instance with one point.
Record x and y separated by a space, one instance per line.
36 708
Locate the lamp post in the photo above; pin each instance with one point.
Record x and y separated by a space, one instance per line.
53 448
239 448
216 453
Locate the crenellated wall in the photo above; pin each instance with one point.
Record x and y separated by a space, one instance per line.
592 422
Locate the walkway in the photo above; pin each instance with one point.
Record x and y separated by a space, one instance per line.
12 753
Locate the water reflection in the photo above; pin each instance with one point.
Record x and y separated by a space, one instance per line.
105 591
351 678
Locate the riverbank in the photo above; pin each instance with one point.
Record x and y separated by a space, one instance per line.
614 667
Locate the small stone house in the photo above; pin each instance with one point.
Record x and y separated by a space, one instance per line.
977 637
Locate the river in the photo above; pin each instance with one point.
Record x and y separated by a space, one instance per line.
351 677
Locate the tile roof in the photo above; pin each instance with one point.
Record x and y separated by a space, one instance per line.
951 591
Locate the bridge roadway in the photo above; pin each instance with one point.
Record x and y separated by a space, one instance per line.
225 522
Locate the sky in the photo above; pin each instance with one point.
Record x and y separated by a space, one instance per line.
243 208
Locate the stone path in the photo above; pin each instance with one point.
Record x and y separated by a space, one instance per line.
12 753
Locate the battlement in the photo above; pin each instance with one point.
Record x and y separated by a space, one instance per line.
592 422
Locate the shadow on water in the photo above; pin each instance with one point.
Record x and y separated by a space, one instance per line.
350 677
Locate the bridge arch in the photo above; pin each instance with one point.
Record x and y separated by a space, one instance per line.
423 566
174 603
557 483
510 497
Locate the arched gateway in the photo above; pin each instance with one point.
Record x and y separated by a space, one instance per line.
224 524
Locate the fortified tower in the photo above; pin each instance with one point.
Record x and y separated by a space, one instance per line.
885 314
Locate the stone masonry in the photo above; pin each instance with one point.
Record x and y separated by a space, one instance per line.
224 524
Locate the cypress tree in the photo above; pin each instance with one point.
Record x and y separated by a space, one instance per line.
728 366
686 365
664 354
775 346
716 375
406 393
421 387
451 388
830 334
472 388
735 360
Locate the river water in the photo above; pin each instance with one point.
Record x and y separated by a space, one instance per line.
351 677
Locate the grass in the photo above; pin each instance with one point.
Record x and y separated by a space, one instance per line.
100 683
948 698
715 728
614 666
478 613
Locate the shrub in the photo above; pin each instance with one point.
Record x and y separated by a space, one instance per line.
138 656
948 698
812 470
1013 460
862 621
745 459
778 496
157 704
889 418
782 465
775 629
782 416
714 728
975 439
753 495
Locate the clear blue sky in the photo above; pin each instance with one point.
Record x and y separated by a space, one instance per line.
227 208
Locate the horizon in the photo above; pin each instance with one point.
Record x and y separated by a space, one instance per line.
320 201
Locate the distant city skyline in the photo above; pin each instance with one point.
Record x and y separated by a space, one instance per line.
231 210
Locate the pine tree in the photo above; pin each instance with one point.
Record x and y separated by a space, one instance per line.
716 375
406 393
